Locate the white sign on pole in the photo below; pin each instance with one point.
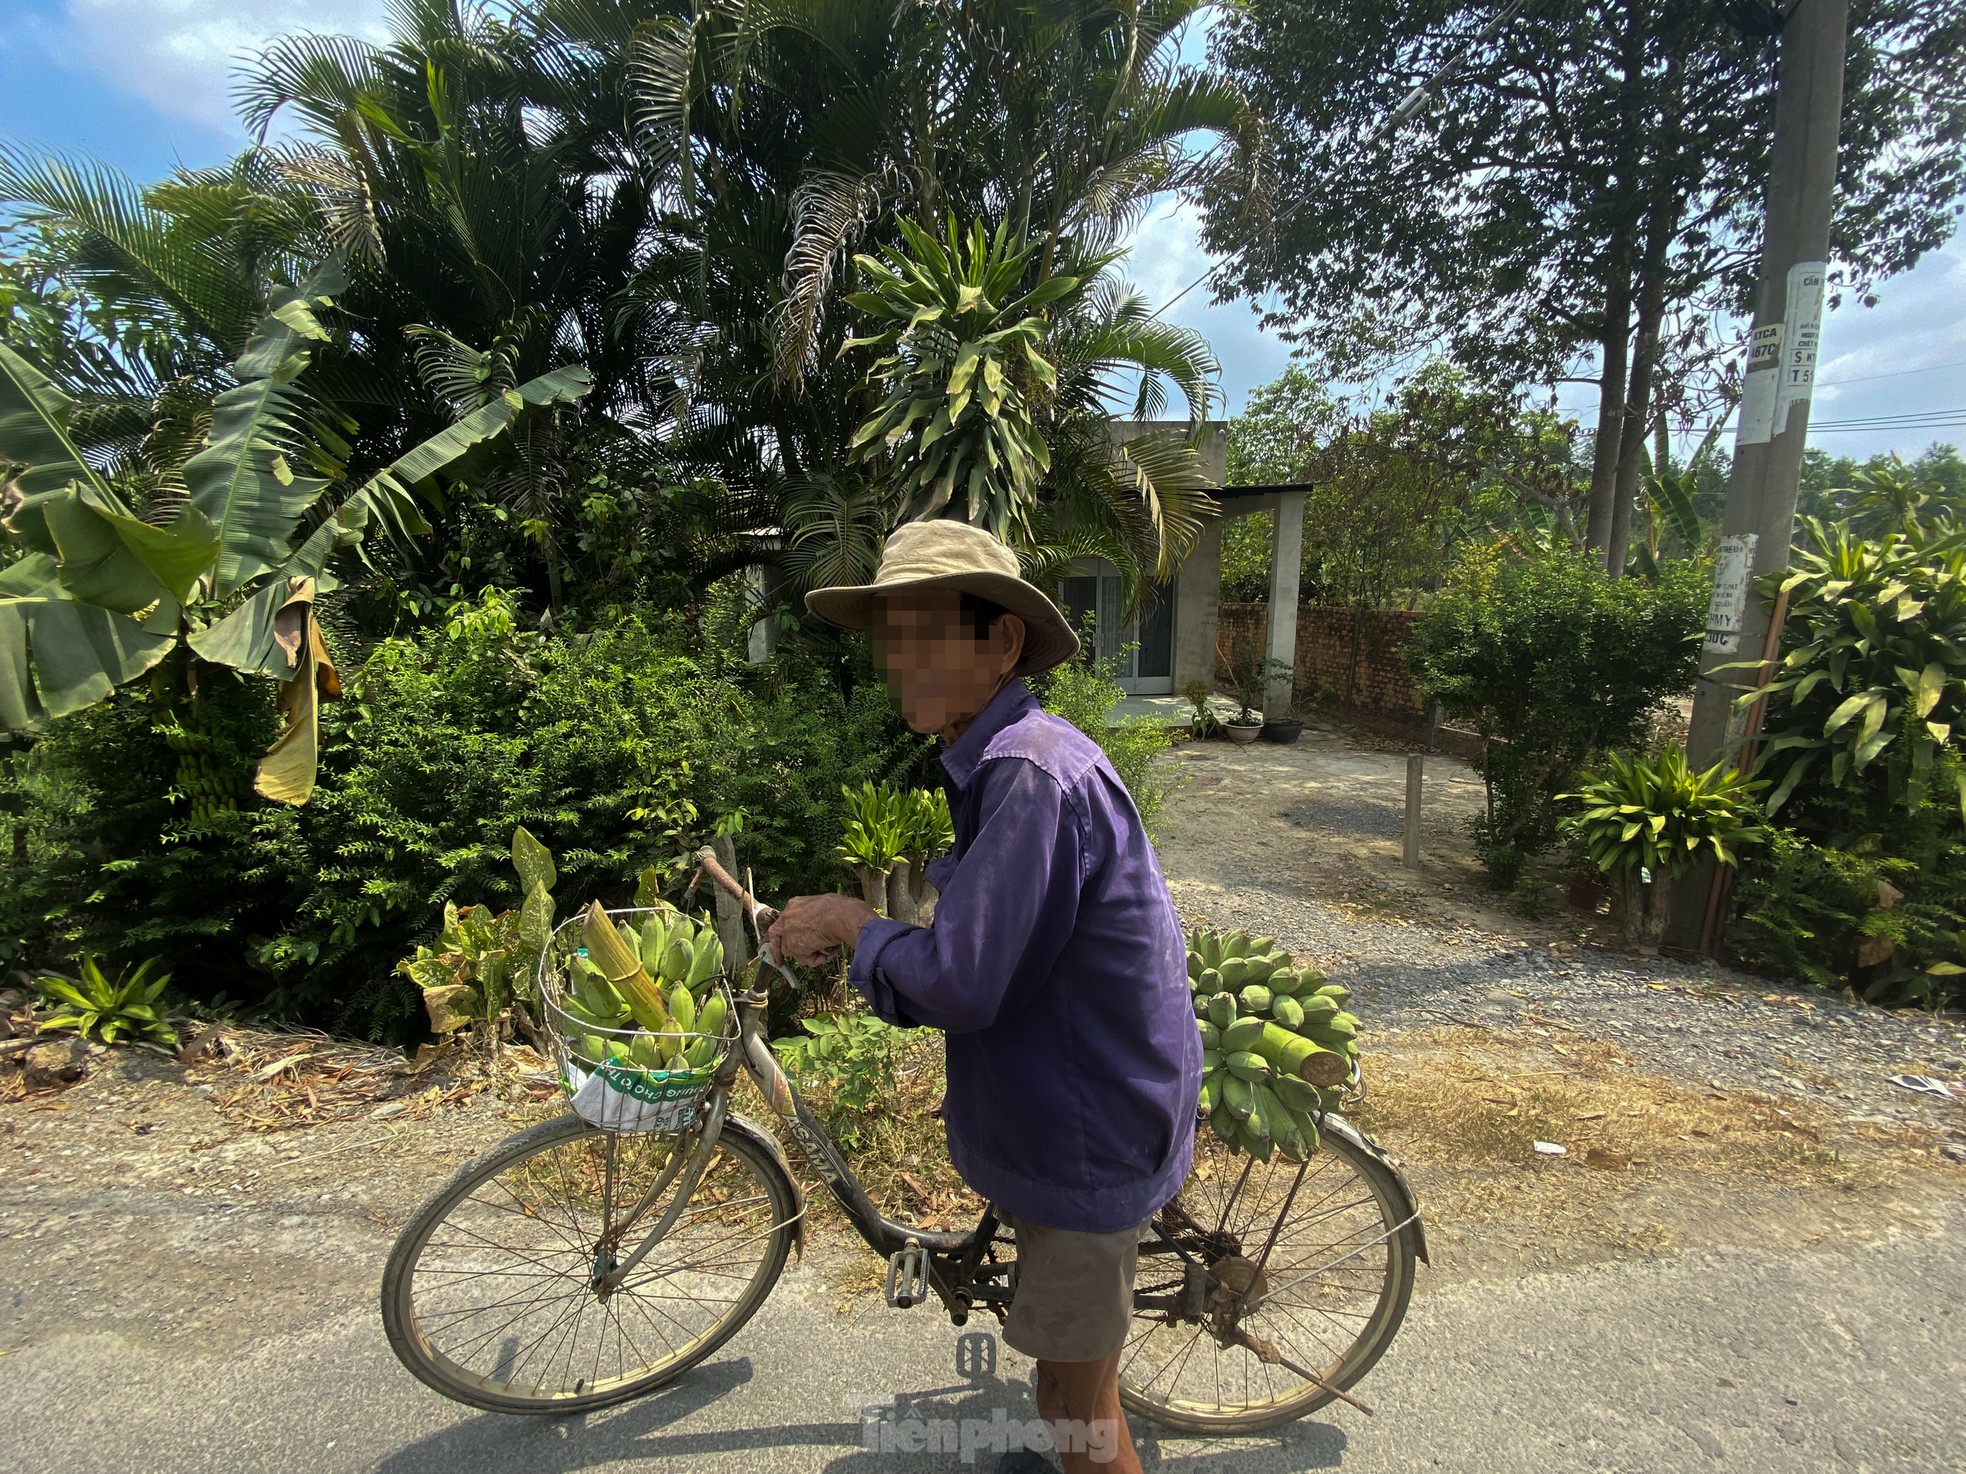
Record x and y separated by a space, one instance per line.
1805 320
1733 576
1765 347
1757 422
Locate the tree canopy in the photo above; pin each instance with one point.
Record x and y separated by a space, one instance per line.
672 196
1589 183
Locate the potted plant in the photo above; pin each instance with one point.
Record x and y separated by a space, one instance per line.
1286 728
1249 675
1646 819
1203 723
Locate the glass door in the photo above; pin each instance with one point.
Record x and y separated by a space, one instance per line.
1141 644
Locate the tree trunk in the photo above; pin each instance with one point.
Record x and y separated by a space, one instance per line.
1614 344
873 886
1351 669
1641 910
1664 204
1623 219
1631 434
900 895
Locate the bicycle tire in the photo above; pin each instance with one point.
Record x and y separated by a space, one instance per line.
1389 1310
742 1141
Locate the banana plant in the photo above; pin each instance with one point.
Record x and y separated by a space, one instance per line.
1668 507
962 373
230 572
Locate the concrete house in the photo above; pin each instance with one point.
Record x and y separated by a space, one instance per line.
1175 634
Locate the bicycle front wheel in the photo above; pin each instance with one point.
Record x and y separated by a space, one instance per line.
497 1292
1313 1264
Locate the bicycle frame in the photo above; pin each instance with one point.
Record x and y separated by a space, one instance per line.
958 1267
953 1264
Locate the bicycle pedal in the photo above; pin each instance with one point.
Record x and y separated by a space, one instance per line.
907 1276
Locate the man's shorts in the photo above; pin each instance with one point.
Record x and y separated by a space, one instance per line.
1074 1297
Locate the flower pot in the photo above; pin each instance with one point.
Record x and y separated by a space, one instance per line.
1587 892
1243 735
1281 731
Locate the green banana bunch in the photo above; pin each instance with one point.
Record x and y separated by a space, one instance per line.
658 981
1277 1043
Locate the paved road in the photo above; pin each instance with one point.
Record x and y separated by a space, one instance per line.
1845 1361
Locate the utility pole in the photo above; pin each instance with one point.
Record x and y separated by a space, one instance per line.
1775 392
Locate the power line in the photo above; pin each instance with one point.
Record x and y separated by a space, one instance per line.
1906 421
1858 427
1898 374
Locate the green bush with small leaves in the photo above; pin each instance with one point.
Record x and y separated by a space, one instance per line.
1084 692
1552 661
620 748
850 1062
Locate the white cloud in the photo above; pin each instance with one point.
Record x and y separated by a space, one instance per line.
179 55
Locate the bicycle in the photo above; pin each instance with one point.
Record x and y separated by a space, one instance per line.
611 1262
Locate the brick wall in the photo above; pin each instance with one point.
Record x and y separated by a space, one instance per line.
1324 652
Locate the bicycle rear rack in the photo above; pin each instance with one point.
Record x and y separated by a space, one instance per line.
907 1275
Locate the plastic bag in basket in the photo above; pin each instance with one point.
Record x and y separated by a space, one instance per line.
618 1099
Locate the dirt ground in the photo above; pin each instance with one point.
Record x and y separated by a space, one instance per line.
257 1156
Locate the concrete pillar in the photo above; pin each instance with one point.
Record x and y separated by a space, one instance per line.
764 584
1197 606
1286 563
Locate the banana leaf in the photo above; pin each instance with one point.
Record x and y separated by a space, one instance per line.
123 563
242 480
34 432
246 639
386 497
286 774
58 655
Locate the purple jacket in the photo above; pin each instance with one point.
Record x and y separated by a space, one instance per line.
1058 969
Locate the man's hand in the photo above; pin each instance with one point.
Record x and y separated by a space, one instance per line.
812 929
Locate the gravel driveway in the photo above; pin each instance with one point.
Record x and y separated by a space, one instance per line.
1303 843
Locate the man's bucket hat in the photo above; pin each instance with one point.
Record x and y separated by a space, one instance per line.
944 554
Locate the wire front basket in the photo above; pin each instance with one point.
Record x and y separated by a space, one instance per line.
621 1076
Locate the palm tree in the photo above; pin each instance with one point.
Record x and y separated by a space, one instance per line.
670 194
1062 126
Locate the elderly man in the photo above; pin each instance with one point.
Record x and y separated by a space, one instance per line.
1055 964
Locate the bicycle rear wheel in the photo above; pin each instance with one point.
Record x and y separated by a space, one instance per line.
1330 1294
491 1297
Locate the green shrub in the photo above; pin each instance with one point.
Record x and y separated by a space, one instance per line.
850 1063
619 749
1818 913
1648 818
106 860
1084 693
1865 744
1551 661
1653 812
1872 684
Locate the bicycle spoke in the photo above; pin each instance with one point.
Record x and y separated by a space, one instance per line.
538 1327
1320 1232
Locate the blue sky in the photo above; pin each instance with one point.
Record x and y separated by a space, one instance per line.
145 85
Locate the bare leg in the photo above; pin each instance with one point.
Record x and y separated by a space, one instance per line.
1088 1393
